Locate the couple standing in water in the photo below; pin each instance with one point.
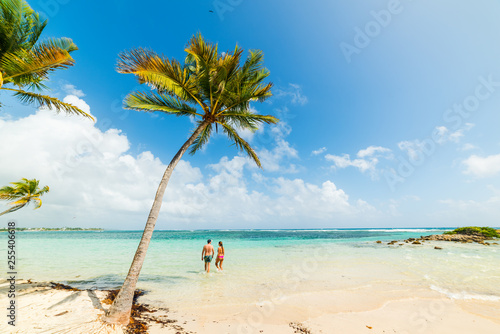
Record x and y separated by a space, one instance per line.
208 253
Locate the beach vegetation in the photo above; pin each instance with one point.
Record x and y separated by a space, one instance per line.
475 230
22 193
26 61
215 89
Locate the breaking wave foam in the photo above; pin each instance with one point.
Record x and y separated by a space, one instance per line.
462 295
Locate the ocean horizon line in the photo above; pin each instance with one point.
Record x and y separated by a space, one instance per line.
393 229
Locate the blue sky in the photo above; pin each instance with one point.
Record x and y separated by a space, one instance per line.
389 116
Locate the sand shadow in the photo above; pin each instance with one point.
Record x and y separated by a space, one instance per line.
70 298
95 300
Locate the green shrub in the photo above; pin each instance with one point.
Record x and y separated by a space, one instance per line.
469 230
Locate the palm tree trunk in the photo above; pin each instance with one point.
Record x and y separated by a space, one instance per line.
119 312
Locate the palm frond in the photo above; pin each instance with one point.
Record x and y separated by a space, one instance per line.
13 209
226 72
43 191
38 203
26 185
261 92
37 85
151 101
230 63
201 50
218 82
248 120
49 102
203 61
22 201
35 26
24 60
22 193
160 73
34 64
63 43
240 143
8 193
20 26
241 101
202 139
253 64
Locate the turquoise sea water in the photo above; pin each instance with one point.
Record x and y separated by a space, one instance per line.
256 262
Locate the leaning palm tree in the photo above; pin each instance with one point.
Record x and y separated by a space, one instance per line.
25 62
215 89
22 193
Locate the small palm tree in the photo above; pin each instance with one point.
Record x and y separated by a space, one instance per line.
214 88
25 62
22 193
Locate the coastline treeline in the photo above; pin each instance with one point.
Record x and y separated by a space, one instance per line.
38 229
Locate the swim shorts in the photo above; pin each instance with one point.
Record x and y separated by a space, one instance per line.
208 258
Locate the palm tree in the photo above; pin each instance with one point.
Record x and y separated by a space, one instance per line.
25 62
212 87
22 193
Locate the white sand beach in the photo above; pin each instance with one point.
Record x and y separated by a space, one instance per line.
374 308
42 309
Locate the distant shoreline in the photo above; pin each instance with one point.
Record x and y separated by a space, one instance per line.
53 229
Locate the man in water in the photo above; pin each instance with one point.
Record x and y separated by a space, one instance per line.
207 254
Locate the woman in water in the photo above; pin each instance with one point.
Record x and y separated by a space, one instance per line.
220 256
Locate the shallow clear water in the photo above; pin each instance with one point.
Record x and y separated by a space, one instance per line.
257 263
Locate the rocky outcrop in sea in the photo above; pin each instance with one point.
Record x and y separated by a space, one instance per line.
462 238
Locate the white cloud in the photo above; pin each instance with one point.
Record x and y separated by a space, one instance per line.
444 135
412 148
468 147
71 90
469 212
76 101
271 159
248 135
301 199
90 172
281 130
293 92
441 136
318 151
96 181
367 159
344 161
226 197
482 166
372 150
